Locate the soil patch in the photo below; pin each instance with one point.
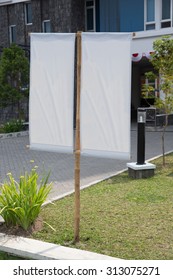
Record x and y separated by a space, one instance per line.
19 231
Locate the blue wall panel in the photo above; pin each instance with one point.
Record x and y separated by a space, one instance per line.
121 15
109 11
131 15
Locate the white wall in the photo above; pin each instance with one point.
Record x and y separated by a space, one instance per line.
7 2
143 41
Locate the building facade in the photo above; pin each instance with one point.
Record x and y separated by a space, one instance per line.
147 20
18 18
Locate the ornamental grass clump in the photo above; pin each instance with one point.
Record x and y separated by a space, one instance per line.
20 203
13 126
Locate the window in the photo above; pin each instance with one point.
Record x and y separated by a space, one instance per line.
28 13
46 26
166 13
150 14
90 15
12 33
158 14
154 83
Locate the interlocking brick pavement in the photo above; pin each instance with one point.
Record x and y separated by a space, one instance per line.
15 157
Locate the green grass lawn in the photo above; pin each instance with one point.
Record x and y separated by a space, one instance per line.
5 256
120 217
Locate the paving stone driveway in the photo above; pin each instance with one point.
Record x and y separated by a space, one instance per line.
15 157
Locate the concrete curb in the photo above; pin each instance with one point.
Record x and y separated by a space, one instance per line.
98 181
39 250
14 134
83 187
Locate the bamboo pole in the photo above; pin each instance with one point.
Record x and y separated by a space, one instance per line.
77 144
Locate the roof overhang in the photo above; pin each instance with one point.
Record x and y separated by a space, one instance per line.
9 2
142 41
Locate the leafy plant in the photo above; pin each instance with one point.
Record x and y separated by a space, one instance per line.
20 203
14 76
13 126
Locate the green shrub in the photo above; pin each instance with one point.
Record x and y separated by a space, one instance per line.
20 203
13 126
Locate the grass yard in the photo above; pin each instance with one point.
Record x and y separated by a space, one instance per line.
120 217
6 256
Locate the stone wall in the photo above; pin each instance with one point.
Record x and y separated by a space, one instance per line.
78 15
65 16
4 39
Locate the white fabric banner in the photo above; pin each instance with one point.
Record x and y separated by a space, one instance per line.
52 92
106 94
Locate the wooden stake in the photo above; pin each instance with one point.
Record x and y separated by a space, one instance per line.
77 144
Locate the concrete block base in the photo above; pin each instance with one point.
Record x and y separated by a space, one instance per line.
136 171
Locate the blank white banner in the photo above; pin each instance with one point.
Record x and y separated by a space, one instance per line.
52 92
106 94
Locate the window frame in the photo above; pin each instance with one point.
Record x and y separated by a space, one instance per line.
27 20
158 16
168 19
148 23
43 25
11 34
90 7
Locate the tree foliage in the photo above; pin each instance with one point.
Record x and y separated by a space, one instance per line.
14 75
162 61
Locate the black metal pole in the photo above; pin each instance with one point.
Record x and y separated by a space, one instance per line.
141 144
141 136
